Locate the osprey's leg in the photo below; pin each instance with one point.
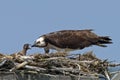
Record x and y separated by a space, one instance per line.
66 51
46 50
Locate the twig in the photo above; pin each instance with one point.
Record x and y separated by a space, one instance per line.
2 63
106 74
79 70
54 58
113 65
35 68
19 66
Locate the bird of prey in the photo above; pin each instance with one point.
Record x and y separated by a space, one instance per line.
68 40
22 52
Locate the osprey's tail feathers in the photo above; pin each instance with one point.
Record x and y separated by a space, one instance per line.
104 40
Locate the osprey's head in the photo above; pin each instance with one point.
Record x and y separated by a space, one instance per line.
40 42
26 46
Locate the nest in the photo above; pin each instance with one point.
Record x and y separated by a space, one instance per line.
57 63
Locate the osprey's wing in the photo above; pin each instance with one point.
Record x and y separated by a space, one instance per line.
74 39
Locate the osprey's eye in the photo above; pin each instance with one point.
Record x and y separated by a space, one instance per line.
38 42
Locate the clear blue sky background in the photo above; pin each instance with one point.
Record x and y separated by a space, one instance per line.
23 21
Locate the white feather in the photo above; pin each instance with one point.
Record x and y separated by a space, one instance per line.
41 40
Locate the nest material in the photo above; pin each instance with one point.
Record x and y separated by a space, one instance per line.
57 63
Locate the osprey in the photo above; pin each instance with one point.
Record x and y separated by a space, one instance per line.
23 51
67 40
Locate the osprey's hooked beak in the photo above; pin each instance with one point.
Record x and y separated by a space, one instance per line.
34 45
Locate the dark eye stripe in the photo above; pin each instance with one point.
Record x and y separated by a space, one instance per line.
38 42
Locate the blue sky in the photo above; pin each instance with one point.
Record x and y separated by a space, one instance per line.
23 21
